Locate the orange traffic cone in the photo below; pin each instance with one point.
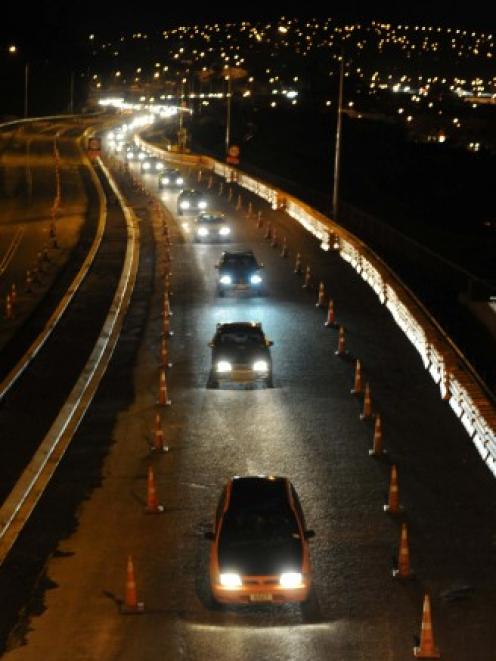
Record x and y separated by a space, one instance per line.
8 307
403 570
221 187
393 504
250 210
297 268
164 354
163 398
367 404
152 504
29 282
210 182
238 203
377 442
330 322
167 308
273 243
268 232
158 437
230 194
357 385
199 177
341 350
259 219
321 297
427 648
308 276
166 330
284 249
131 604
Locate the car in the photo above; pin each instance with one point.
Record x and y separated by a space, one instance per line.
260 551
132 153
211 226
239 271
170 178
191 201
151 164
240 354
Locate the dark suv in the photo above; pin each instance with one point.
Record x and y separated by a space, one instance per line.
240 354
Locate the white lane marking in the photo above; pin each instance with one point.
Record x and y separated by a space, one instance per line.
11 250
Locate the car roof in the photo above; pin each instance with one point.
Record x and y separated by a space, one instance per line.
238 325
238 253
190 191
252 491
171 170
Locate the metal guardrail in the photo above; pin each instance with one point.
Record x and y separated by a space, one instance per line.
458 382
18 506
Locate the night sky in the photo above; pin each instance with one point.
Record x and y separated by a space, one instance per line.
54 26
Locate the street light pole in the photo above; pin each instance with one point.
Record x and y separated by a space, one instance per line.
337 151
228 113
26 82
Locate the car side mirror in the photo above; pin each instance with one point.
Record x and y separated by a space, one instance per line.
210 536
309 534
210 344
270 343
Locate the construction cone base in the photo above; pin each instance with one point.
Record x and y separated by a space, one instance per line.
374 453
163 450
396 574
159 509
168 402
133 610
389 510
418 654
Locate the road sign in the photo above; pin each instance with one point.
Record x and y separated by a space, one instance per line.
233 155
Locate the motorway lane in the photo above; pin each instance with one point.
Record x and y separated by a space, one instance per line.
27 195
308 428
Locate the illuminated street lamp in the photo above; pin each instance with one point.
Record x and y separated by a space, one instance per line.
337 151
228 112
13 51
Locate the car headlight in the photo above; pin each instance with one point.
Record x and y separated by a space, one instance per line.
224 231
225 280
292 579
256 279
179 181
184 204
224 366
159 166
146 166
230 580
261 366
202 204
110 135
165 180
202 231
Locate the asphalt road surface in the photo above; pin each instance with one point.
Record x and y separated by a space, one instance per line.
308 428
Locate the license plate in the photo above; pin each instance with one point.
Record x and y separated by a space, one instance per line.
261 596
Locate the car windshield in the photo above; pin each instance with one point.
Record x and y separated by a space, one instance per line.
241 336
210 218
239 262
270 523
